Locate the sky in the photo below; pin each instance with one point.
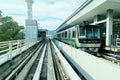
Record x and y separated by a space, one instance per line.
49 14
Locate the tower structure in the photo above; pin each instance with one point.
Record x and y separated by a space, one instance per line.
31 29
29 8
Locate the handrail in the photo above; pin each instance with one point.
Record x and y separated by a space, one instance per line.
14 48
5 46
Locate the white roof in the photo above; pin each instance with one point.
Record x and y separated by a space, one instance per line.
91 8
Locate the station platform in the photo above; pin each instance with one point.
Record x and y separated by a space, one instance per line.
91 67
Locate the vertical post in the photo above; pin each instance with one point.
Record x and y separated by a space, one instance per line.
95 19
109 25
10 50
18 47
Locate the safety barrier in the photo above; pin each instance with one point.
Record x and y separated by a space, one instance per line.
10 49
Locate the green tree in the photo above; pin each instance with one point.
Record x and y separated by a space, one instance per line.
10 30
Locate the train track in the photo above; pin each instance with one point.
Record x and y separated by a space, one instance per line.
108 56
37 63
9 67
16 64
111 58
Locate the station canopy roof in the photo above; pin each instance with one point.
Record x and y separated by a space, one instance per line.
89 9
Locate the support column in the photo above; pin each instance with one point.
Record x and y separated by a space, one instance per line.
95 19
109 25
84 23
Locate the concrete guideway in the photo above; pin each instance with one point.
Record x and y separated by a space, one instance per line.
26 69
45 61
90 66
11 66
67 67
50 65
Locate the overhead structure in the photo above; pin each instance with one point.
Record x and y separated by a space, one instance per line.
42 33
95 12
31 29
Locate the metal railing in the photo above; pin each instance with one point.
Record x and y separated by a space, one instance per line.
9 46
10 49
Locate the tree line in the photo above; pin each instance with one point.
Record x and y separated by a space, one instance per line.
10 30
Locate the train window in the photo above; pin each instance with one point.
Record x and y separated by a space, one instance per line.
89 32
65 34
60 35
96 33
82 32
57 35
73 33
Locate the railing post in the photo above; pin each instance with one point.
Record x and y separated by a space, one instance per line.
18 47
10 50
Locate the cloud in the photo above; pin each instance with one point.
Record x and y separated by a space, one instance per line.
48 18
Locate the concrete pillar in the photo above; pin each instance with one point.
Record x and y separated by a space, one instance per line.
84 23
109 25
95 18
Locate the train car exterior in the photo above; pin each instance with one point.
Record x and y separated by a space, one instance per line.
85 37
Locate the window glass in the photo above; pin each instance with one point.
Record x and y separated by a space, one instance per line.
73 34
96 33
65 34
82 32
89 32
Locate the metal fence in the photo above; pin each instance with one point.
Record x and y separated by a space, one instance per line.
9 46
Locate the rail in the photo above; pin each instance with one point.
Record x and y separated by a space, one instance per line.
25 70
20 71
39 67
67 72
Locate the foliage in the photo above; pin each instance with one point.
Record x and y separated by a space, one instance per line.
9 29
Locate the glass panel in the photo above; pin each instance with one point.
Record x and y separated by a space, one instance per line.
73 35
82 32
96 33
89 32
65 34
